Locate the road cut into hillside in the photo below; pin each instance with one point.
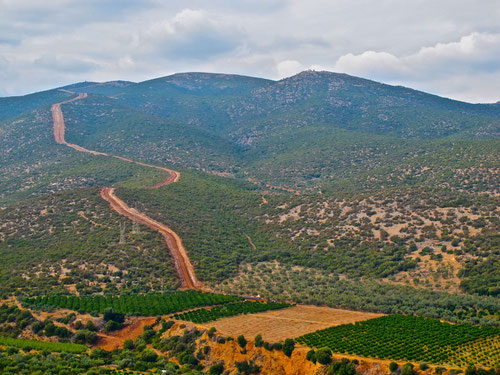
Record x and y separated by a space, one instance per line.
182 263
172 240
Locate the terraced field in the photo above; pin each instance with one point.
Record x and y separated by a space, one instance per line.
409 338
138 304
230 309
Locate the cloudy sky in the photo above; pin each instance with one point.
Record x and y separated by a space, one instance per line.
446 47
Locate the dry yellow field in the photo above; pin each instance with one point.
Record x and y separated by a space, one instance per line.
287 323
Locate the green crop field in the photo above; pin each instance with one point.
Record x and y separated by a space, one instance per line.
135 304
409 338
63 347
230 309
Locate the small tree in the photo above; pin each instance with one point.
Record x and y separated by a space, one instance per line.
128 344
424 366
110 314
393 366
258 341
211 332
247 368
216 369
311 356
407 369
324 356
149 355
242 341
288 347
90 326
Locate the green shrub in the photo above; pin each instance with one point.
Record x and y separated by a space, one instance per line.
324 356
407 369
393 366
288 347
311 356
216 369
242 342
258 341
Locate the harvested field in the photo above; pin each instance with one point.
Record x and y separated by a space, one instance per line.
292 322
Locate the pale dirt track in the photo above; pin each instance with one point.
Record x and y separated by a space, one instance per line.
172 240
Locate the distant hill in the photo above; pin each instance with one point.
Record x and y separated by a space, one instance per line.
315 129
335 174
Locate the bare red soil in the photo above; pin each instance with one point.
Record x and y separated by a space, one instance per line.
183 265
115 340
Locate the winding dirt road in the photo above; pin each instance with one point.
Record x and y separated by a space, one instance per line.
172 240
182 263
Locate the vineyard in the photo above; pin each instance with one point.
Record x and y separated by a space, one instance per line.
410 338
135 304
230 309
62 347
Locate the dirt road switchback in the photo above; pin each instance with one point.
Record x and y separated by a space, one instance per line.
182 263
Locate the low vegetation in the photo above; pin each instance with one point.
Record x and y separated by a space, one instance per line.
60 347
317 287
133 304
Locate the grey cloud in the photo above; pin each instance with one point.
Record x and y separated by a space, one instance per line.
417 44
192 34
62 63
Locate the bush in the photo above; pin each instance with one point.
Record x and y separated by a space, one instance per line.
149 355
62 332
311 356
128 344
112 325
247 368
258 341
393 366
288 347
407 369
216 369
344 367
424 366
85 337
242 341
211 332
37 326
324 356
277 346
90 326
111 315
470 370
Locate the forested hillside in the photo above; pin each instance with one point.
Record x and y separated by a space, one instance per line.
342 177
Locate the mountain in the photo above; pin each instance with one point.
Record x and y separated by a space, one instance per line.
343 177
319 130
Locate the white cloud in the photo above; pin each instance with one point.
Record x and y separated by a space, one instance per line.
370 63
473 60
288 68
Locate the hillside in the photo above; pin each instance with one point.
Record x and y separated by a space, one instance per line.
316 128
127 208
